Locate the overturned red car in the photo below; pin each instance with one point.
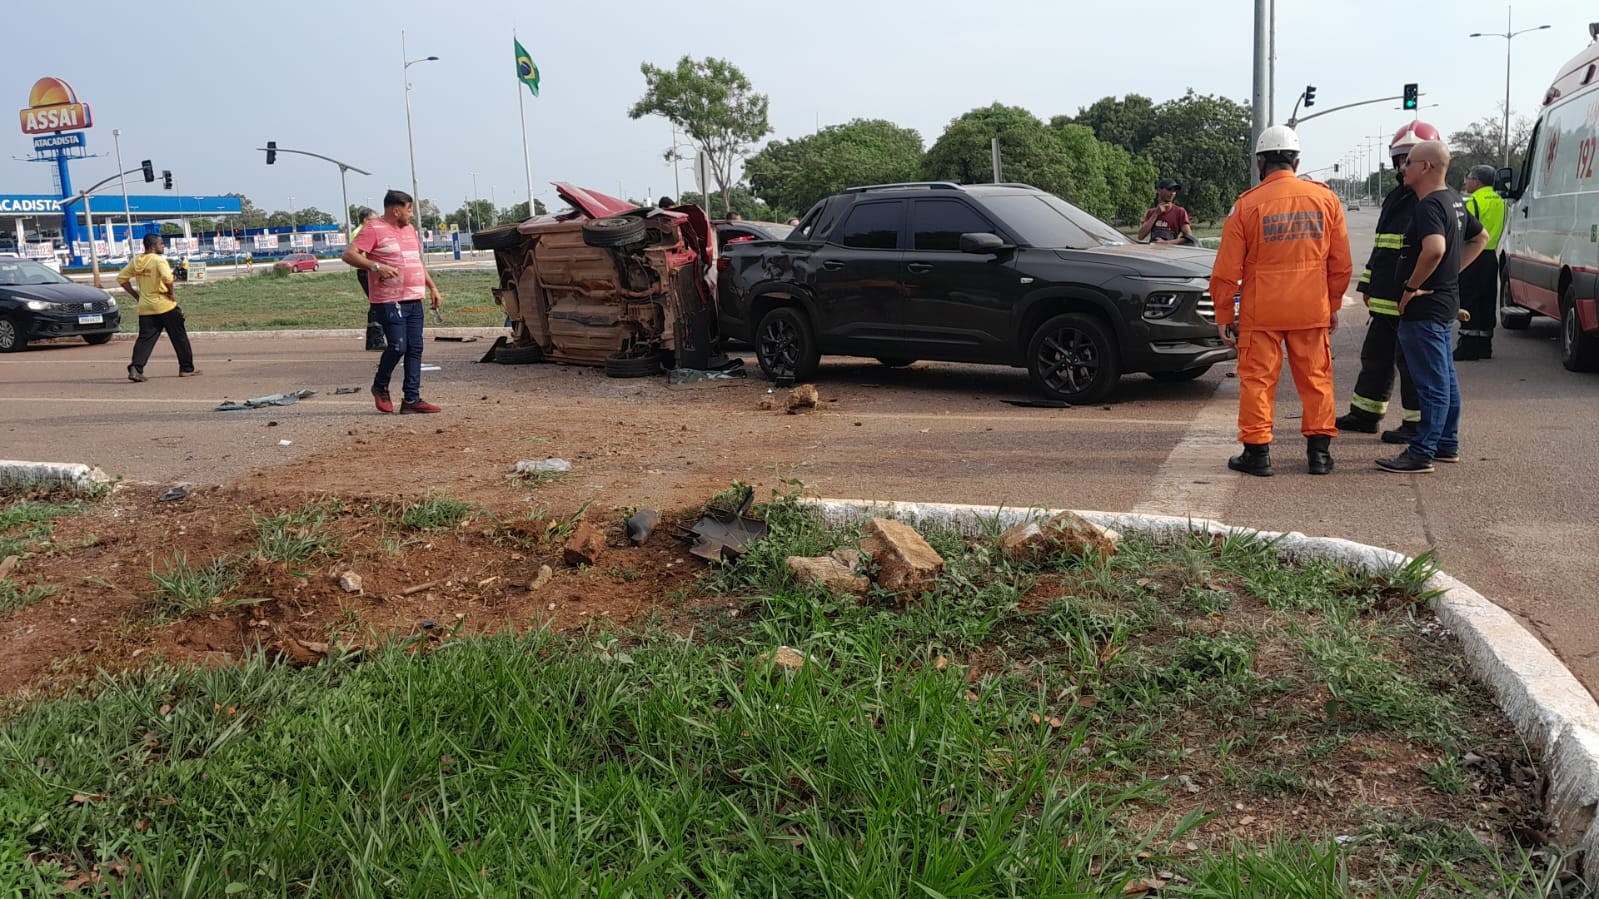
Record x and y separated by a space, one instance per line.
608 284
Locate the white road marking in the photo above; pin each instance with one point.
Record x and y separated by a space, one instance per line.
1194 479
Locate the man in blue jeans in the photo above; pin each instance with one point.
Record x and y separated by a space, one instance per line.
1442 240
388 248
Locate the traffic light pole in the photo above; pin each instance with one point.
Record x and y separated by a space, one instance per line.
88 219
1294 122
273 149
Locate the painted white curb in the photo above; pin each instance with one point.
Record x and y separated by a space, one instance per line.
82 478
1548 707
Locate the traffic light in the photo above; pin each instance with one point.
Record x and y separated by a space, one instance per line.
149 171
166 178
1335 168
1310 95
272 151
1412 93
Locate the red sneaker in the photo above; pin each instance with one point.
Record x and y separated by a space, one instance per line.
419 406
381 398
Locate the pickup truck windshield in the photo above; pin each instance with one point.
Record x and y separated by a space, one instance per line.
1044 220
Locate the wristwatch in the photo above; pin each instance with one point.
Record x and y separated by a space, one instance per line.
376 266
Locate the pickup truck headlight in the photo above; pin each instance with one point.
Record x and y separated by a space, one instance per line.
1166 295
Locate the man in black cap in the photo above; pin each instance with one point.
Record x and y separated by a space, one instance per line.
1166 222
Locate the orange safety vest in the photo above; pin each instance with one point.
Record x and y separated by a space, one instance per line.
1286 242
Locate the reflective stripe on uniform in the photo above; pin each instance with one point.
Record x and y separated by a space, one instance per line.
1390 241
1375 407
1473 332
1383 307
1412 415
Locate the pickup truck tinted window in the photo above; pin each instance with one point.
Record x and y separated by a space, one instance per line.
1045 220
873 226
939 224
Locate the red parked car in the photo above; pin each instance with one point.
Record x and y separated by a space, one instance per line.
297 262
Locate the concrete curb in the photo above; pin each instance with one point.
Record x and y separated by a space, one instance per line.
1554 713
78 478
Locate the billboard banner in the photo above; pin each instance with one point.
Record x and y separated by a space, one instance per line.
53 106
266 241
335 239
43 250
300 241
225 244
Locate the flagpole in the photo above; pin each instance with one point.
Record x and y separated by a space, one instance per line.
521 111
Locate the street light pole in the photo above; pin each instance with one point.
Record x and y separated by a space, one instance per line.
409 140
127 215
1507 35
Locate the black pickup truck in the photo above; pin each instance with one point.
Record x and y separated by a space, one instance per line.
992 273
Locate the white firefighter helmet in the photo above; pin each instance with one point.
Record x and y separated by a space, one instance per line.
1411 134
1277 139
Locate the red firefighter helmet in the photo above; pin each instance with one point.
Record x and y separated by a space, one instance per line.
1412 134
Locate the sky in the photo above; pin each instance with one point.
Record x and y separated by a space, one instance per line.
198 86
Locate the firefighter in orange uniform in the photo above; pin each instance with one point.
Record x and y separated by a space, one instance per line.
1286 244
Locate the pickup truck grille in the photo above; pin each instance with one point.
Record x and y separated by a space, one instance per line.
1207 308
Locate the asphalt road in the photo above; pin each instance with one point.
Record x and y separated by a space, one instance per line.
1516 519
224 271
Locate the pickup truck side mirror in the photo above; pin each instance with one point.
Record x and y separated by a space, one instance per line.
1504 182
981 243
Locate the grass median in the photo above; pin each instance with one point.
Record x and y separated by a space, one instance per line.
1199 720
267 301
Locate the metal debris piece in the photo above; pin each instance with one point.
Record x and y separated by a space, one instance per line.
271 399
173 494
341 391
551 465
721 535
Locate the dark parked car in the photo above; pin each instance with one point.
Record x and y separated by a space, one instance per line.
991 273
36 304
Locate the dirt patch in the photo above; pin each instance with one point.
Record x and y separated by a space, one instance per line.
108 613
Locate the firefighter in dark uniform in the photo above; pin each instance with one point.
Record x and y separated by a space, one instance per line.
1380 288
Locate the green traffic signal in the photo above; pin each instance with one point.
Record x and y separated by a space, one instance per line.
1412 94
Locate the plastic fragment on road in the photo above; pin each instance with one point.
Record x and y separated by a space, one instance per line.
173 494
341 391
271 399
541 466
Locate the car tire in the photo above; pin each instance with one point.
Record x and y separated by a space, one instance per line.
510 354
500 237
1177 377
1074 357
633 366
13 336
616 231
785 345
313 266
1578 351
1511 316
895 361
97 339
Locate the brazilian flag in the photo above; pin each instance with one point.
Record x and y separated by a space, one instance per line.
525 69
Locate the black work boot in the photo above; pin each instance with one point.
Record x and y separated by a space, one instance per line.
1470 349
1317 451
1405 433
1256 460
1359 420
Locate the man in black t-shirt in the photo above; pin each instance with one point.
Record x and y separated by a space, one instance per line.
1442 240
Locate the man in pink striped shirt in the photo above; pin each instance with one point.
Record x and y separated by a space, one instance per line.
389 249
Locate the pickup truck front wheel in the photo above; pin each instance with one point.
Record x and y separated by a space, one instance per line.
1073 357
785 346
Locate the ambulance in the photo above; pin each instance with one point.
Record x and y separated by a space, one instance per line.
1550 252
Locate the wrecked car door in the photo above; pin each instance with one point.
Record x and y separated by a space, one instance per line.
856 283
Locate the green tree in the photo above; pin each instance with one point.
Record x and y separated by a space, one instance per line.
793 175
250 216
714 104
202 226
280 219
740 200
1067 160
1128 122
1481 143
474 215
427 215
311 215
1199 139
518 212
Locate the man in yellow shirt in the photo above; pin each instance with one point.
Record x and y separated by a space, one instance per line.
148 279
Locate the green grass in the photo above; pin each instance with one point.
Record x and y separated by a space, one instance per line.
947 747
298 536
316 300
27 527
183 589
433 513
